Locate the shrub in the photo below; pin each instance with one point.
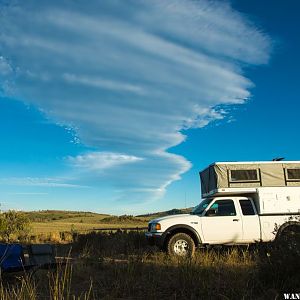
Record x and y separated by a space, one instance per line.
13 223
112 243
279 261
124 219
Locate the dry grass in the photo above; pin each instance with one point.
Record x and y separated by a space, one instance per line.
57 226
149 276
54 285
120 265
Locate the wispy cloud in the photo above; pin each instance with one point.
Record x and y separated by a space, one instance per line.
128 76
38 182
27 194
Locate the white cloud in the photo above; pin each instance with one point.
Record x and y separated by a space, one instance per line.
5 68
102 83
128 76
99 161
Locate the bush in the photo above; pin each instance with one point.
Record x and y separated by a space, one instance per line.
111 243
13 223
279 261
124 219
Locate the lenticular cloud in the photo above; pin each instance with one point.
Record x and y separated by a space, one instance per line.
128 76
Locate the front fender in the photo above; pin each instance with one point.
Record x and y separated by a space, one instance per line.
181 228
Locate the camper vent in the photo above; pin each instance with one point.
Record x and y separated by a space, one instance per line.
293 174
244 175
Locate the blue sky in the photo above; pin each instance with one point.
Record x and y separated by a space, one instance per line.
115 107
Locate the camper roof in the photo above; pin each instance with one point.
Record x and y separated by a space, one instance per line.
252 163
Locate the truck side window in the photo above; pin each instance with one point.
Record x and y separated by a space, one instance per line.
222 208
247 208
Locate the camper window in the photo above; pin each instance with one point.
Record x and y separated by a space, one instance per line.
293 174
244 175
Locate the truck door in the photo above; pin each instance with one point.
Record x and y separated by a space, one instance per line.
221 223
250 220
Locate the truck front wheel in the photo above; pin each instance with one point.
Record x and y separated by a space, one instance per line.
181 244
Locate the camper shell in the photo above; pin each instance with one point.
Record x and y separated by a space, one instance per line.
237 177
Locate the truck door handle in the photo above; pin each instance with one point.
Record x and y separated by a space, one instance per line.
235 220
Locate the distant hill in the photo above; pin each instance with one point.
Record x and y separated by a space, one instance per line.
60 215
44 216
174 211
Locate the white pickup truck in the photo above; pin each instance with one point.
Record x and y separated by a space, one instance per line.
241 211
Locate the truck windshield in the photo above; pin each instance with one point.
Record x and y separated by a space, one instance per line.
198 210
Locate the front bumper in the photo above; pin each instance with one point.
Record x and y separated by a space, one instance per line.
155 238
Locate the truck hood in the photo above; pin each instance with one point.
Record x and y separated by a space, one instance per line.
179 218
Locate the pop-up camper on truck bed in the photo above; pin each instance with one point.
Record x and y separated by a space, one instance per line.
243 202
235 177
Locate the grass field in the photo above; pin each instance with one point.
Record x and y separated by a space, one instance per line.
120 265
46 222
59 226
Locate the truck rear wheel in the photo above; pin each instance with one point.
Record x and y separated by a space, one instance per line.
181 244
290 237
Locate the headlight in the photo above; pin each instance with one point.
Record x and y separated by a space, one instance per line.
155 227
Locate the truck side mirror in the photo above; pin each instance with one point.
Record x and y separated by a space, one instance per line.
211 212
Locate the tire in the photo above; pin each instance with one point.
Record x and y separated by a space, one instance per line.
181 245
290 238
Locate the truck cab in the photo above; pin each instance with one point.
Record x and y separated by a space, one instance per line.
220 220
228 220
